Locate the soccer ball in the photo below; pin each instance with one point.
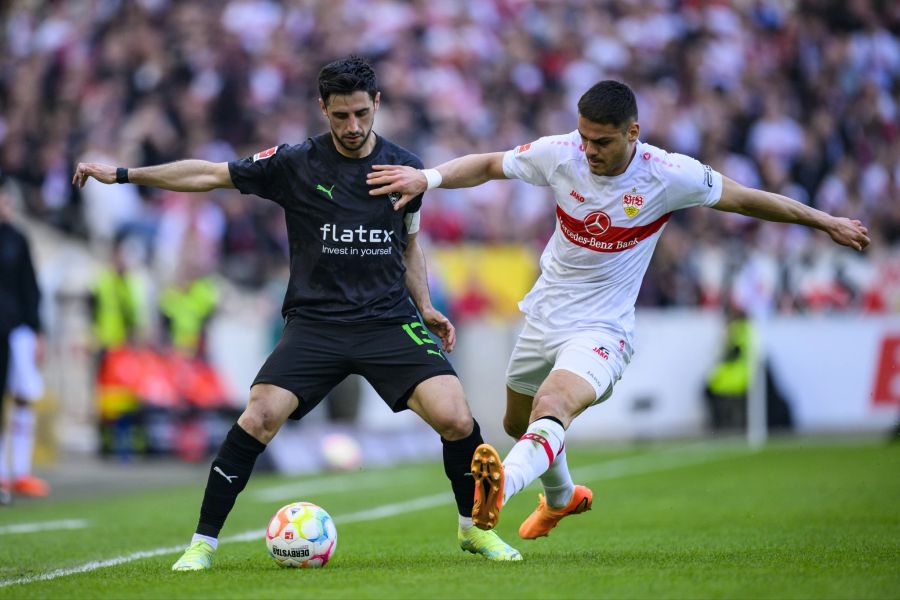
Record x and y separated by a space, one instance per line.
301 535
341 452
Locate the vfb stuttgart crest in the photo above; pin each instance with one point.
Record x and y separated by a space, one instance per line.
596 223
632 203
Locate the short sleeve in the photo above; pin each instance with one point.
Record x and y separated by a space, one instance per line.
533 162
411 220
690 183
261 173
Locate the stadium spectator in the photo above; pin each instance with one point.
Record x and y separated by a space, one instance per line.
187 305
147 82
21 351
614 195
356 270
729 382
117 301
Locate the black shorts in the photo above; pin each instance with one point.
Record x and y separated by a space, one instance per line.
314 356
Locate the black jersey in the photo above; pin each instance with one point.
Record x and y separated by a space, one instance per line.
19 294
346 246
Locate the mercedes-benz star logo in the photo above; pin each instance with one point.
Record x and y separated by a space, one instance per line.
596 223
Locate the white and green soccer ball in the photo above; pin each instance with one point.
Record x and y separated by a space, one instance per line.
302 535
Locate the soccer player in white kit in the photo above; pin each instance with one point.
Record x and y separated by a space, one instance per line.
614 195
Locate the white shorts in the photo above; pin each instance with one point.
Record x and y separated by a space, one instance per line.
24 380
592 355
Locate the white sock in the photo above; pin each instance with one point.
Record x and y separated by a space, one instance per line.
531 455
4 467
465 523
21 437
557 482
214 542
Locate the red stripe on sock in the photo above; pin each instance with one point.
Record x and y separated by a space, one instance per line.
541 440
561 448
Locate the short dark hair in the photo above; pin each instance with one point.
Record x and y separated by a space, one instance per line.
609 102
345 76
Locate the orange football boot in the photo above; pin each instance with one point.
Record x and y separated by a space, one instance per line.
487 468
29 485
544 518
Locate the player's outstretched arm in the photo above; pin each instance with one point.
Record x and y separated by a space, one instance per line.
181 176
417 284
466 171
775 207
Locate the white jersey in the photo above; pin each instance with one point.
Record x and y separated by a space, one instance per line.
607 228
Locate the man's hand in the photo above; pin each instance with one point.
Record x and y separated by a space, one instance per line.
397 179
848 232
440 326
100 172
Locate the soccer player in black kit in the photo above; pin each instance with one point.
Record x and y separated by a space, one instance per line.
356 270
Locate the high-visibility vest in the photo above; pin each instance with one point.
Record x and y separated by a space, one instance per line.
118 307
187 311
731 377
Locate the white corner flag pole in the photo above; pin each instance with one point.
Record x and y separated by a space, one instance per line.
757 415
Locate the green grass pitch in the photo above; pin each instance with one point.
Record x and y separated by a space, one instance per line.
795 520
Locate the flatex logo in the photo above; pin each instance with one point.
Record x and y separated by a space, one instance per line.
331 233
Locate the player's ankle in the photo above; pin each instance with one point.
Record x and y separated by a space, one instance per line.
199 537
559 496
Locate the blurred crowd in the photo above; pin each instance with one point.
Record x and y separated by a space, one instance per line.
796 97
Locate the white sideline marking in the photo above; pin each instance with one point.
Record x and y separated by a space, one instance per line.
390 510
92 566
43 526
650 463
323 485
597 472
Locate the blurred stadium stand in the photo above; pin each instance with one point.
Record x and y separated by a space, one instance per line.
800 98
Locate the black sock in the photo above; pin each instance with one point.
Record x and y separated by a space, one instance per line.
458 467
554 419
228 475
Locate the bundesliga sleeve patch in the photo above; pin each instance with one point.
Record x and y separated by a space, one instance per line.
265 153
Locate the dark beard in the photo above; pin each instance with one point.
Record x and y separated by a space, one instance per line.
362 142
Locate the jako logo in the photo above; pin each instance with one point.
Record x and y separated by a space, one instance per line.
577 196
596 223
331 232
603 352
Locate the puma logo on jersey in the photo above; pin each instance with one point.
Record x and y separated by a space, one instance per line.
323 189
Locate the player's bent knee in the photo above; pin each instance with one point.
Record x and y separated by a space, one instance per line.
260 424
261 420
455 427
